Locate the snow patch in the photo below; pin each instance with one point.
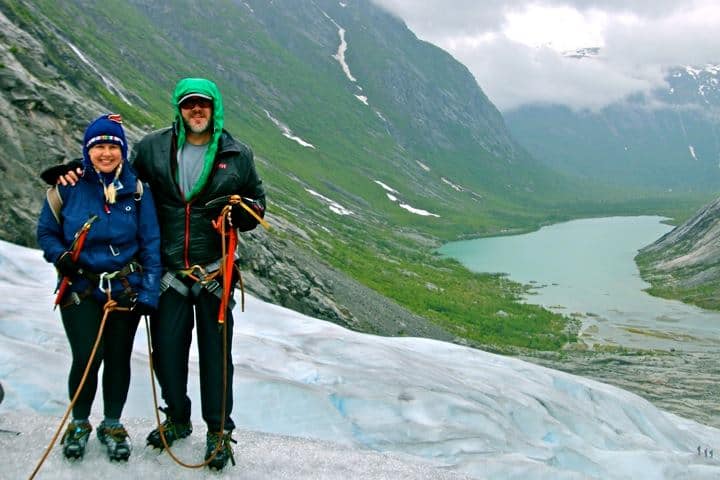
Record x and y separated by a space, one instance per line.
108 84
692 151
455 187
332 204
409 208
389 189
286 132
418 211
362 98
423 166
340 55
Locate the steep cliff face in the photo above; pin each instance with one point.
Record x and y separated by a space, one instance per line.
685 263
39 116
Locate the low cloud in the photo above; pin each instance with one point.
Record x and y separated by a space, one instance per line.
640 40
513 74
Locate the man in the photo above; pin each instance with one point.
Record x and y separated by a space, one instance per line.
192 167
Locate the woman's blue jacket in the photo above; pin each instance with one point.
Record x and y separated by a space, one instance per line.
124 231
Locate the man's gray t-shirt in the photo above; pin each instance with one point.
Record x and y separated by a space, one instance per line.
191 159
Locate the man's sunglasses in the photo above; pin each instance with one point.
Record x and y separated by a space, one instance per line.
192 102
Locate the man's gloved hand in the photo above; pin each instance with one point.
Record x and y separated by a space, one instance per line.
66 266
143 309
241 219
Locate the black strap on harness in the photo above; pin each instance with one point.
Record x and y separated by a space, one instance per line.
203 277
95 280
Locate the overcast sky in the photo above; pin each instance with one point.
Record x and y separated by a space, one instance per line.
514 47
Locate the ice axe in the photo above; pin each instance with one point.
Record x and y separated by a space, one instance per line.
75 249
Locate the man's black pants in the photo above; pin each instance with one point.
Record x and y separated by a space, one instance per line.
171 328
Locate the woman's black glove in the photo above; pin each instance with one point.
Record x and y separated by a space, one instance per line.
128 301
143 309
66 266
241 219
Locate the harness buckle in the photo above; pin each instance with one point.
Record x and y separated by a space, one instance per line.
212 285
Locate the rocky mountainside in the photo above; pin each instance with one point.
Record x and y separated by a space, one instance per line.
373 145
685 262
44 111
667 140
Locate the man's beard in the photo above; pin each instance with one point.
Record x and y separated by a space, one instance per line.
200 129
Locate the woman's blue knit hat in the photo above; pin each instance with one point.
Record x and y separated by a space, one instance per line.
105 129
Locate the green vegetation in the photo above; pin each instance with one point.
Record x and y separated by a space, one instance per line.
424 107
483 309
704 296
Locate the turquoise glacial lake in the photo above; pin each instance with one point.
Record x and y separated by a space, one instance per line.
585 268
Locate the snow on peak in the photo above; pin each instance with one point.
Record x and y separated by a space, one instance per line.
286 132
332 204
709 68
692 71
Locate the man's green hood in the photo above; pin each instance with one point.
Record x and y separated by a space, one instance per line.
208 88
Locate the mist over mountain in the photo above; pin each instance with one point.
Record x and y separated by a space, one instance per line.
666 140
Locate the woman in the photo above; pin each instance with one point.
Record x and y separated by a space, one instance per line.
119 259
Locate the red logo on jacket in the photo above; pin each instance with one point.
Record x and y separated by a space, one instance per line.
222 165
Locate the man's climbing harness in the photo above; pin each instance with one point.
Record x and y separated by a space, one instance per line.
229 245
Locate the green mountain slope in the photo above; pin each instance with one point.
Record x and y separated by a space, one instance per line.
684 264
372 154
